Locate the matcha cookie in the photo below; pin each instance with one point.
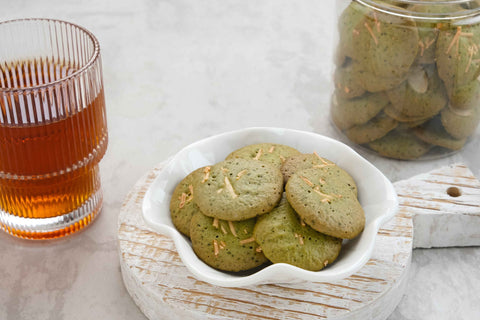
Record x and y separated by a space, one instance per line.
182 206
434 133
393 113
267 152
346 85
284 238
326 201
372 130
347 24
348 113
372 82
461 123
227 246
386 45
457 55
238 189
400 145
421 96
303 161
465 97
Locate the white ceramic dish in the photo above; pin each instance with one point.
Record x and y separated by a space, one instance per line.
376 195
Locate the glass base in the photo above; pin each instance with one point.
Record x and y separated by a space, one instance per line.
53 227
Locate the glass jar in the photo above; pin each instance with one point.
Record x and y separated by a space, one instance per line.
406 76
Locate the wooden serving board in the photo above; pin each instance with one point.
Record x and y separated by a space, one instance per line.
163 288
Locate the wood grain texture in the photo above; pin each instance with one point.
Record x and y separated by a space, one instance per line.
163 288
445 205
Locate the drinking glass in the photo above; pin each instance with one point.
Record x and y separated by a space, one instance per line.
53 129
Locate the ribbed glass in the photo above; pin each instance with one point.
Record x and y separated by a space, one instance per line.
53 130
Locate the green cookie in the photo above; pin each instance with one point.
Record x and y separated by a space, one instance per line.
386 45
268 152
421 96
461 123
346 86
458 55
400 145
227 246
465 97
347 24
238 189
434 133
372 82
392 112
284 238
326 201
348 113
182 206
372 130
305 161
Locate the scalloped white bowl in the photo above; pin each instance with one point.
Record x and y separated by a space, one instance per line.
376 195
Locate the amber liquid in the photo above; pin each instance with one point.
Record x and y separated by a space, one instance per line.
51 169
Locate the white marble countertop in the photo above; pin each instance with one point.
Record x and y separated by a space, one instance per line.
179 70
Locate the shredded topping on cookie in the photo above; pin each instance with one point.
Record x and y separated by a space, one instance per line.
206 174
215 223
183 200
223 229
258 249
241 173
310 183
248 240
222 245
326 197
369 29
271 149
325 263
215 248
259 154
300 238
229 187
232 228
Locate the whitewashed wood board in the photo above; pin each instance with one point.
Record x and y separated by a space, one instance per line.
163 288
445 205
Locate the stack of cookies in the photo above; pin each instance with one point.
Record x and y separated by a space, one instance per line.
406 82
267 203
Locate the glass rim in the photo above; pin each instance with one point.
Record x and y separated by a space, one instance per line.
376 5
91 60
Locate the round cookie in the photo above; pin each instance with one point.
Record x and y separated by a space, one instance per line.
372 130
400 117
461 123
182 206
400 145
268 152
386 45
434 133
303 161
284 238
372 82
421 96
326 201
227 246
465 97
347 24
238 189
346 85
348 113
457 55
